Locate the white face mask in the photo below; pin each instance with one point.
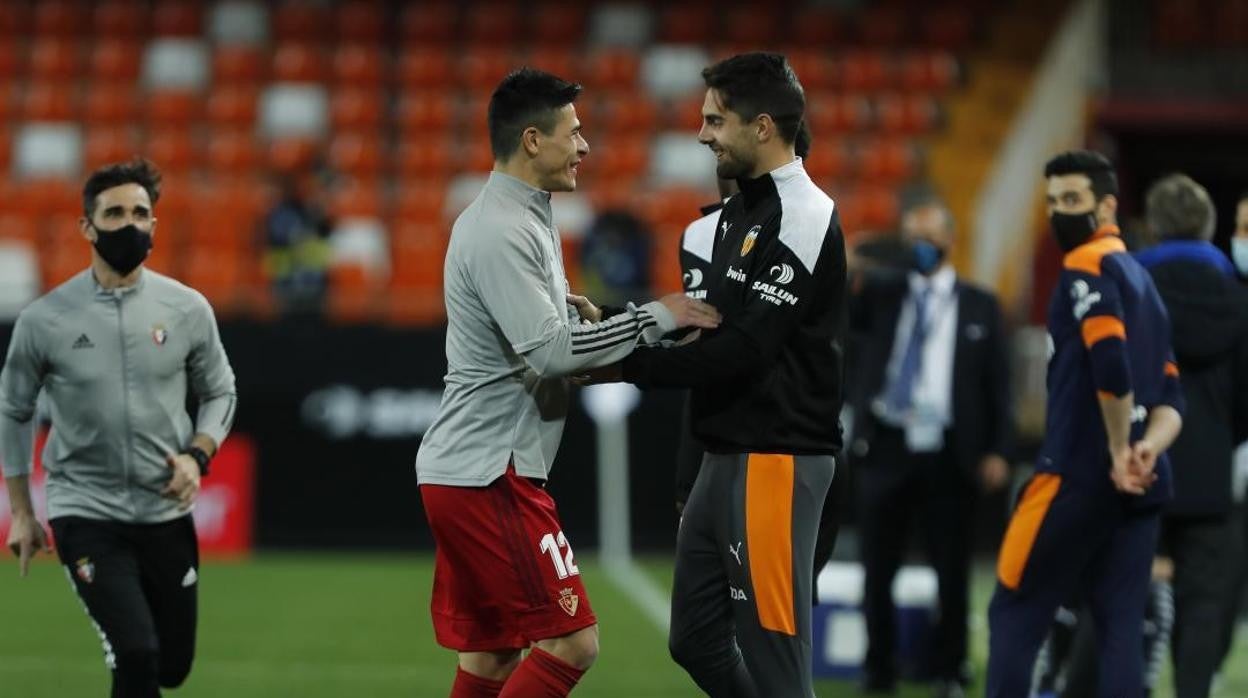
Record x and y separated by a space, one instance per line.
1239 254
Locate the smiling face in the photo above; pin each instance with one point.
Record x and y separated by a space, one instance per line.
559 153
733 140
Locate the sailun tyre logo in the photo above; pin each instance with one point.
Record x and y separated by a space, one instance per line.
782 273
693 278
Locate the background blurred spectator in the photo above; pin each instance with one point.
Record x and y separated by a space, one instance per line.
297 251
615 259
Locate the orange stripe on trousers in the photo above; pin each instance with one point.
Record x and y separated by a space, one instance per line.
769 539
1020 537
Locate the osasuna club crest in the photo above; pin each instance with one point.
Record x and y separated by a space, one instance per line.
85 570
159 335
750 237
569 601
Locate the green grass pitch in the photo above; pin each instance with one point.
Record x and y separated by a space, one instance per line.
345 626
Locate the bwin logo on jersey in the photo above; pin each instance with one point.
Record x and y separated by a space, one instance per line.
1084 298
692 278
782 273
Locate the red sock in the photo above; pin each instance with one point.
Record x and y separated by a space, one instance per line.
541 675
473 686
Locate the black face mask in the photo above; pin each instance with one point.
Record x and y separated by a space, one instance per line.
1072 229
123 249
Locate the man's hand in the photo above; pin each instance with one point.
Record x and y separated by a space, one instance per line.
26 537
613 373
691 313
184 484
585 307
1127 475
1144 456
994 472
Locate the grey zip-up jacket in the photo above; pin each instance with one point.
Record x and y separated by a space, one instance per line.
114 367
512 339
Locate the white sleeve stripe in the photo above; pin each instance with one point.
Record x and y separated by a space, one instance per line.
584 332
612 340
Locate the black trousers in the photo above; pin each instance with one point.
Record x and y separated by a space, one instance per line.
138 583
898 487
1205 553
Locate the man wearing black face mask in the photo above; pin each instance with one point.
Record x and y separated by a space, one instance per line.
1086 524
932 424
114 350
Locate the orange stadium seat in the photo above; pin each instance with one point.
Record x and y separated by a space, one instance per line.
815 68
841 114
557 23
494 24
928 71
418 250
11 98
114 60
172 149
172 108
426 68
685 114
358 156
120 20
241 200
419 158
559 61
883 26
104 146
428 24
887 161
908 114
43 102
472 113
619 155
206 231
879 206
751 24
476 156
59 18
482 67
827 159
360 65
356 198
949 28
239 65
232 153
12 62
361 22
15 19
423 308
865 71
178 18
6 149
357 110
687 24
622 112
54 59
110 105
232 107
612 69
293 62
217 275
51 197
424 112
19 227
301 22
421 198
291 154
817 27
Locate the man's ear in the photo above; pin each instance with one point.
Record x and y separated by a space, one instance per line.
1107 209
84 227
529 140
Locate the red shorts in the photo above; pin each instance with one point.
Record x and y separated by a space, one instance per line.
504 576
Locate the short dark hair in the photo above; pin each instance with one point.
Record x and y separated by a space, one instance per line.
803 140
1097 167
751 84
1177 207
138 171
526 97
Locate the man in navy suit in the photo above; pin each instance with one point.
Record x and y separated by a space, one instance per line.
931 427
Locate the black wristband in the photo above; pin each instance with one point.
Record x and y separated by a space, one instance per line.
201 459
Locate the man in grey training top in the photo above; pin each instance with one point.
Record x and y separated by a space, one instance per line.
505 578
114 350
